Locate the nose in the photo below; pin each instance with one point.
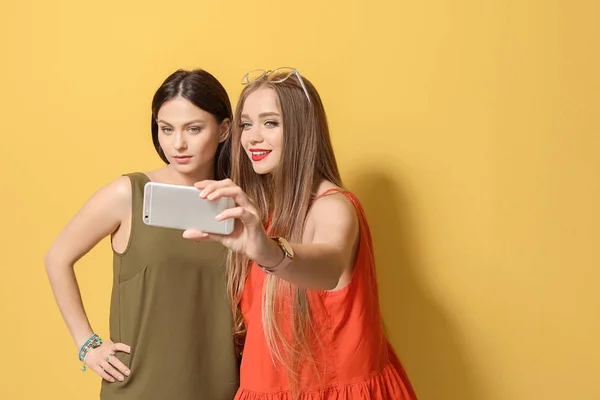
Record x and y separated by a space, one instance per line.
179 142
254 135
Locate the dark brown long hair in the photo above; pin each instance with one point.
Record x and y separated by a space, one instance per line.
283 199
204 91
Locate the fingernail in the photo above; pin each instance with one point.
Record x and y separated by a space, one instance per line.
121 378
127 373
202 193
211 196
218 217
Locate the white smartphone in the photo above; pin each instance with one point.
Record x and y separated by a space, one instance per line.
180 207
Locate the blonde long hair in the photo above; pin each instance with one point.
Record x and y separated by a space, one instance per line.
283 199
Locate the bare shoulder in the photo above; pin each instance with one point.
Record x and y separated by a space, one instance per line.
99 217
331 198
119 190
333 211
113 199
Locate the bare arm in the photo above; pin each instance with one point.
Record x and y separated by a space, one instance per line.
326 258
99 217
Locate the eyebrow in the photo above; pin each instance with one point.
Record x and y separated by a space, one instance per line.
263 115
196 121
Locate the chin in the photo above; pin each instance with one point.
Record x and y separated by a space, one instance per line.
261 170
184 168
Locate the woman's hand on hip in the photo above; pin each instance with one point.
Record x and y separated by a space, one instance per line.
103 361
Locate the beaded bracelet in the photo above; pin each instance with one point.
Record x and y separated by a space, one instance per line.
92 342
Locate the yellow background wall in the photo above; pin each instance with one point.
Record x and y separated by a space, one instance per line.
470 130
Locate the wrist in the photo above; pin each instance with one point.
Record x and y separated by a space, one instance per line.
276 262
91 343
82 338
271 256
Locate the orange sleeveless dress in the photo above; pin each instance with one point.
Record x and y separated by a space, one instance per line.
353 358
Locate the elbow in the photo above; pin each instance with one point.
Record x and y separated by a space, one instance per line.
52 262
48 261
340 276
334 279
323 281
330 285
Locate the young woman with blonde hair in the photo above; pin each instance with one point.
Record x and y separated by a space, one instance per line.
301 268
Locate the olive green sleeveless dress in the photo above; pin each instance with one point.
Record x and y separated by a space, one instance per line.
169 304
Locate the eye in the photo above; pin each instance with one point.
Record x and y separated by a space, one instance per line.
245 126
271 124
166 129
195 129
